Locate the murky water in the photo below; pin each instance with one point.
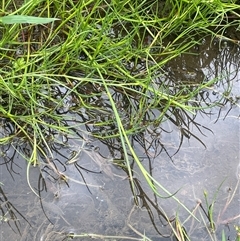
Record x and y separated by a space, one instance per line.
191 155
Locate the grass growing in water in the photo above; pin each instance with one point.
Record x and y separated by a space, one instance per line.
102 61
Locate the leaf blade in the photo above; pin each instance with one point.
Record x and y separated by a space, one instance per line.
12 19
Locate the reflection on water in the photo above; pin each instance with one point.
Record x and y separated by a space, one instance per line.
9 213
80 189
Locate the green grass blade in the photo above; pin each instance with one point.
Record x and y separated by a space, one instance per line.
223 235
12 19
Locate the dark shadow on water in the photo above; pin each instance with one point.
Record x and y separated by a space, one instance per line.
153 209
10 214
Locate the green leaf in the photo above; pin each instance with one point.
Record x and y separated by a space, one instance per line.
223 235
12 19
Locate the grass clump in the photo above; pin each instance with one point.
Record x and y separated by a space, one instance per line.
99 45
100 64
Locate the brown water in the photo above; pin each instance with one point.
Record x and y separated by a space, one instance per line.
106 207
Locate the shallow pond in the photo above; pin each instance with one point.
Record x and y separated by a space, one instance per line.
189 154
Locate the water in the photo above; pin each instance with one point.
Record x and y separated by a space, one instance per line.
198 155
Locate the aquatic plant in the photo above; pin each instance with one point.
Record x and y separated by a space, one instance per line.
101 65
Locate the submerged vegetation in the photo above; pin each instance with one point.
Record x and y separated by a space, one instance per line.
97 69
